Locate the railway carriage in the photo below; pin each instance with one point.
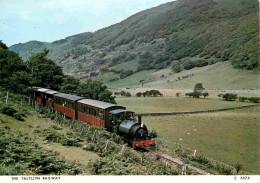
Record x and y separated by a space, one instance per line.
48 98
39 95
96 112
66 104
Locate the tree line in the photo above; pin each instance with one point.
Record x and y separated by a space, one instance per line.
19 76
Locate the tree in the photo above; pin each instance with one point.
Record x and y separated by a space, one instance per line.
139 94
220 96
205 94
188 64
3 45
45 72
198 88
70 85
128 94
229 97
94 89
13 72
142 81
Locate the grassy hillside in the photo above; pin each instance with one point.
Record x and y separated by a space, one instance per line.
175 32
218 76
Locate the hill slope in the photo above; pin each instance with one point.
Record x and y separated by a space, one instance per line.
176 32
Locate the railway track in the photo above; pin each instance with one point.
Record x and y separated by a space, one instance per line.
176 162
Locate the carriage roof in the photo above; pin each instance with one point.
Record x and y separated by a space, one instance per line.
68 96
98 104
42 89
51 92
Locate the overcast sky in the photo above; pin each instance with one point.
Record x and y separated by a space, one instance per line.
50 20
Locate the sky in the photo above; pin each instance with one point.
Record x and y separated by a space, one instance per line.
49 20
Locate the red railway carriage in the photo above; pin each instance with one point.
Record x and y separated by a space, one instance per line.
39 95
48 98
95 112
66 104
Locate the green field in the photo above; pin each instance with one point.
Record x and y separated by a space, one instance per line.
173 104
231 136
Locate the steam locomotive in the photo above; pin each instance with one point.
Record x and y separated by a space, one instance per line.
112 117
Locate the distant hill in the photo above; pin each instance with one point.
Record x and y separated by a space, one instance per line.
182 34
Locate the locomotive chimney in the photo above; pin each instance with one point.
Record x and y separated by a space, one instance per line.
139 119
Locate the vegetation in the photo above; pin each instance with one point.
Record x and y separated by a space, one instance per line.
13 72
149 93
21 155
40 71
44 72
95 89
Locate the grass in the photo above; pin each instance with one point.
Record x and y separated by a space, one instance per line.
173 104
218 76
34 122
231 136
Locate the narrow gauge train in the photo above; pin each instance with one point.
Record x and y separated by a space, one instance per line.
114 118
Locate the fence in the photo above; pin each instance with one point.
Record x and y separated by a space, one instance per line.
195 112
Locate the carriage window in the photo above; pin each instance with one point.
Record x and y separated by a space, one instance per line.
101 115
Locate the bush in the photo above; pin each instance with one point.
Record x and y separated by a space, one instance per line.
139 94
206 94
19 115
8 110
177 67
229 97
244 61
188 64
13 112
126 74
254 99
128 94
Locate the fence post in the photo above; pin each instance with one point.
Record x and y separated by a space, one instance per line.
122 150
6 100
107 144
93 137
194 153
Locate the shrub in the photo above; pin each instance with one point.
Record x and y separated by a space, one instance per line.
19 115
139 94
244 61
254 99
128 94
188 64
206 94
177 68
8 110
229 97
